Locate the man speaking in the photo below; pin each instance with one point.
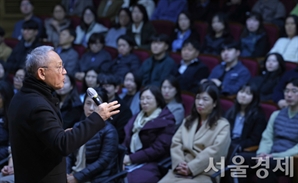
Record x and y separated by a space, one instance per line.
37 138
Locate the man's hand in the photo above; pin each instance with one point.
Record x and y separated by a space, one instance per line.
106 110
183 169
71 179
126 160
7 170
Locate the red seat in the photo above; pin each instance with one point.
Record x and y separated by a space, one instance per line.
75 20
290 65
188 101
268 108
142 54
176 57
272 33
201 28
80 49
226 103
11 42
209 60
47 43
252 65
236 30
289 5
163 26
79 86
105 22
113 51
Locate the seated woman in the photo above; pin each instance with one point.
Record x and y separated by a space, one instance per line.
287 46
124 20
131 92
171 93
18 79
274 68
203 134
94 57
254 41
90 80
70 103
148 137
96 160
141 29
88 26
218 33
183 31
56 23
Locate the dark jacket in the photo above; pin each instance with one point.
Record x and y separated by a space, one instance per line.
3 140
257 49
212 45
254 125
18 56
101 156
38 140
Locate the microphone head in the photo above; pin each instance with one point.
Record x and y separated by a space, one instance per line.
91 92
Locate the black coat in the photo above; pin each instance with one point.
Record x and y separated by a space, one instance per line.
38 141
101 156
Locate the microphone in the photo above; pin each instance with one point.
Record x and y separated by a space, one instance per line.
94 95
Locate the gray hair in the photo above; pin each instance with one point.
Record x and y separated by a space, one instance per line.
37 58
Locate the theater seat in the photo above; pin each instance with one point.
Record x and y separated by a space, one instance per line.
141 54
105 22
272 32
188 101
268 108
80 49
252 65
290 65
113 51
226 104
201 28
210 60
236 30
11 42
75 21
176 57
163 26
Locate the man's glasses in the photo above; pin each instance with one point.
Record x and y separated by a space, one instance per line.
59 68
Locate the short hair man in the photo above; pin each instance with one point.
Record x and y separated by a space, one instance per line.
156 68
231 74
37 137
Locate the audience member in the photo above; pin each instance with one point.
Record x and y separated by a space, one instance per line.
28 42
191 70
236 10
171 93
183 31
141 29
273 11
111 84
88 26
218 32
274 68
56 23
18 79
254 40
66 50
231 74
126 60
3 73
109 9
287 46
90 80
202 10
148 137
94 57
76 7
169 10
148 4
124 20
203 134
279 140
5 50
156 68
27 7
7 172
95 161
70 103
131 92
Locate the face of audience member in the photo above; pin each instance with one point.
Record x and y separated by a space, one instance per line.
91 79
204 104
123 18
65 38
53 74
158 47
26 7
66 88
18 79
229 55
183 22
88 16
290 27
111 90
95 47
123 47
272 63
244 96
189 53
89 106
148 102
29 35
2 72
168 91
217 26
58 13
129 83
252 24
136 15
291 95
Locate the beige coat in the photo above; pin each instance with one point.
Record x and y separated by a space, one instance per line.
196 148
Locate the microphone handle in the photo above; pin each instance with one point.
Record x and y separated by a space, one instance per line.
98 102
